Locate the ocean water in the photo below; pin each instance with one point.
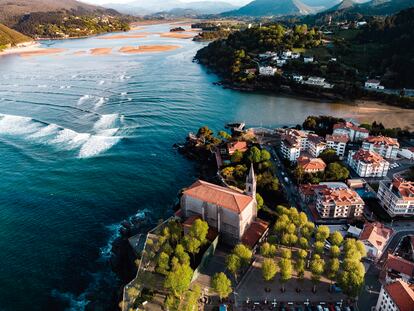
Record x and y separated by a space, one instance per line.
86 142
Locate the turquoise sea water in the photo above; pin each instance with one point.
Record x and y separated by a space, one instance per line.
86 141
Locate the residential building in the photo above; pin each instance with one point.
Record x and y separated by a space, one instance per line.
386 147
297 78
396 267
318 81
287 54
397 197
354 132
397 296
407 152
295 55
236 145
293 142
267 71
339 202
375 237
229 211
373 84
308 59
311 165
368 163
338 143
280 62
316 145
307 192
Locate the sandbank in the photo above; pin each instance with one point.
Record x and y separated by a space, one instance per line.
41 52
147 49
101 51
27 47
130 36
177 35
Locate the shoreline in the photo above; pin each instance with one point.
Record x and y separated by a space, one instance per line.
28 47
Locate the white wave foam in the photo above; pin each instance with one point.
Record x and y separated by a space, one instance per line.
100 102
101 82
42 86
124 94
83 99
106 121
78 303
88 144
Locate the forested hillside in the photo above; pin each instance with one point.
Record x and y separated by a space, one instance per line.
10 37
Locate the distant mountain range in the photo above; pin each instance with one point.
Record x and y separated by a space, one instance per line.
171 7
272 8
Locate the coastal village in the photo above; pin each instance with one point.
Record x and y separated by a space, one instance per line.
313 217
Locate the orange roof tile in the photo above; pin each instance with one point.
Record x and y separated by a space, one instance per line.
221 196
337 138
405 188
311 164
368 157
254 232
340 196
400 265
350 125
382 140
309 189
237 145
402 295
376 234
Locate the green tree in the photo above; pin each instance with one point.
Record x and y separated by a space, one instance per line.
192 245
264 155
259 201
300 272
233 264
335 251
178 280
181 254
269 269
192 296
224 135
268 250
255 155
163 263
244 253
302 254
236 157
336 171
286 253
322 233
351 279
317 266
303 243
333 269
307 230
285 266
199 230
221 285
336 238
329 156
319 246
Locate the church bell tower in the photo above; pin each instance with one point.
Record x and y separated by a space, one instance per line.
251 183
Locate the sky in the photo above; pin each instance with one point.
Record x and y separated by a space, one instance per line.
235 2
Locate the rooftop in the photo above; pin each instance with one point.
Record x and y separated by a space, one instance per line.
309 189
404 189
218 195
402 295
340 196
237 145
382 140
254 232
337 138
350 125
368 157
376 234
311 164
399 264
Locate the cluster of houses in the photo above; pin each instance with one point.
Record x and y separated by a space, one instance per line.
371 160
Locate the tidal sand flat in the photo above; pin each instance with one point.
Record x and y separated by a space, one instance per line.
178 35
101 51
130 36
148 49
41 52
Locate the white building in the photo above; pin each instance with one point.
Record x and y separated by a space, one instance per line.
340 202
280 62
297 78
316 145
287 54
229 211
267 71
386 147
368 164
407 153
396 296
293 142
337 143
397 197
295 55
318 81
308 59
373 84
375 237
354 132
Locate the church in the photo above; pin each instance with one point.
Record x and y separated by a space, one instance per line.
232 213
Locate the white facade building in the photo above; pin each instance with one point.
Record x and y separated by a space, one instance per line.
354 132
397 197
267 71
293 142
407 153
386 147
316 145
318 81
337 143
396 296
368 164
374 84
307 60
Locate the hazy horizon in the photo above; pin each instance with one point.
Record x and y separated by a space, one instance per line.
101 2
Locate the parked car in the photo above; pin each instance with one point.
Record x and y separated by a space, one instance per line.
223 307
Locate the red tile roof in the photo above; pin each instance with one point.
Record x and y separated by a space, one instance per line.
405 188
311 164
402 295
376 233
368 157
237 145
400 265
340 196
221 196
309 189
382 140
350 125
254 232
337 138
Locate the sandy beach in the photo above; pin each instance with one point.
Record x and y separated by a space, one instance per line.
177 35
28 47
368 111
100 51
41 52
147 49
130 36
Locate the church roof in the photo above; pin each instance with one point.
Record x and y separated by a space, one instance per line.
221 196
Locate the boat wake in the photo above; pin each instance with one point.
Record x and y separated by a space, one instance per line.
103 136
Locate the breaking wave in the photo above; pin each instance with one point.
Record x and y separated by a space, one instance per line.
102 138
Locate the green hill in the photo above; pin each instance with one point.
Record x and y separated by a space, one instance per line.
10 37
